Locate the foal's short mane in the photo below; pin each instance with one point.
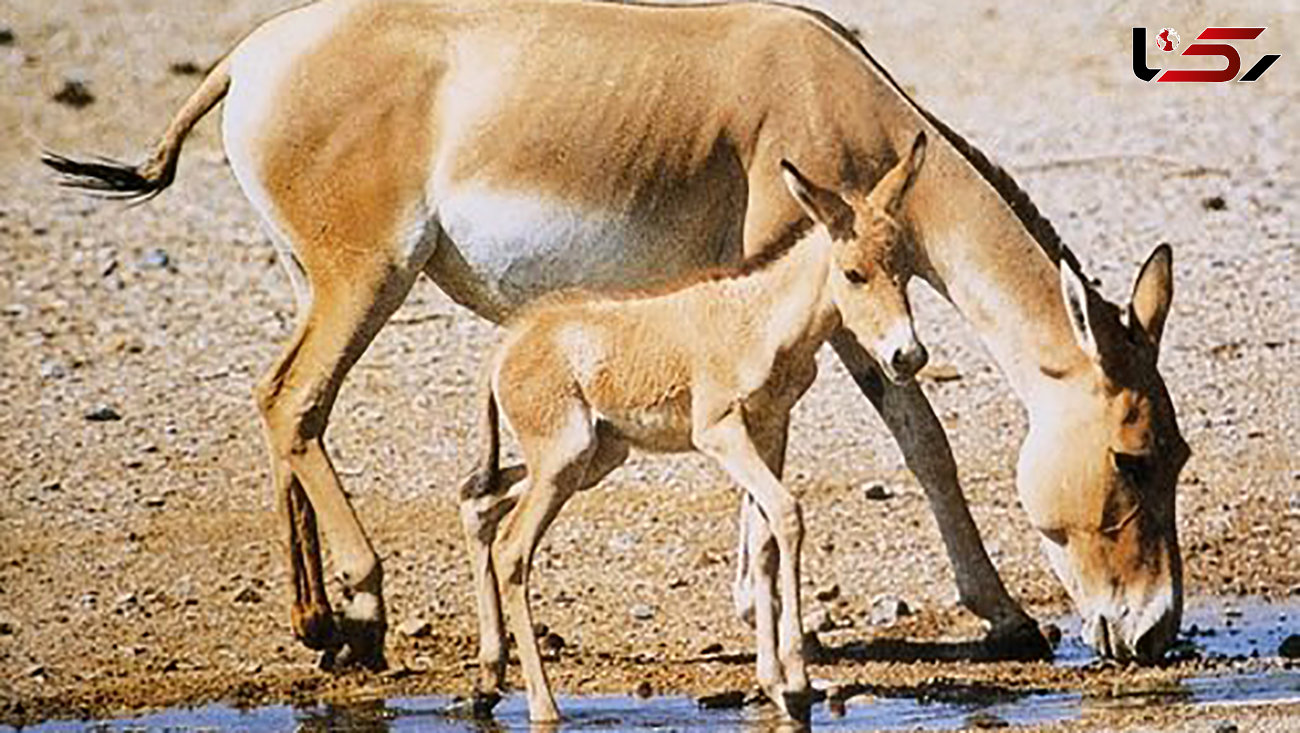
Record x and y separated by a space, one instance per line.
1034 222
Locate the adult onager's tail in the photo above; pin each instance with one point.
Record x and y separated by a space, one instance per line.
486 480
120 180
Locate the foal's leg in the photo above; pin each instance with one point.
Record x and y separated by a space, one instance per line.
347 309
758 580
925 447
557 466
480 515
727 441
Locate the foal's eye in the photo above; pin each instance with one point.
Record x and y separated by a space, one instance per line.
855 276
1134 468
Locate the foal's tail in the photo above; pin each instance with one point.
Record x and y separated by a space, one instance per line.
486 480
142 182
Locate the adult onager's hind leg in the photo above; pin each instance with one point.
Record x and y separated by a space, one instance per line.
348 307
924 444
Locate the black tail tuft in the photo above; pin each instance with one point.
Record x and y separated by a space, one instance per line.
108 178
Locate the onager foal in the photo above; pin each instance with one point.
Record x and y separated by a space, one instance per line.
716 367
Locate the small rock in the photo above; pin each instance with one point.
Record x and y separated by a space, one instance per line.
878 492
939 373
985 720
1232 612
415 628
729 700
819 621
126 599
51 369
643 690
7 628
171 666
103 413
6 36
714 648
1290 647
185 68
248 595
1226 728
1214 203
829 593
552 643
74 94
155 259
154 502
887 609
36 670
642 612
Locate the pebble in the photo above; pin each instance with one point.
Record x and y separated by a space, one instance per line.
878 492
1214 203
643 690
103 413
940 373
74 94
553 643
1226 728
36 670
887 609
7 628
185 68
722 701
714 648
1290 647
642 612
828 593
248 595
6 36
155 259
985 720
819 621
415 628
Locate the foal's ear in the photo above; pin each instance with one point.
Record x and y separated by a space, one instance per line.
1075 292
824 206
1152 293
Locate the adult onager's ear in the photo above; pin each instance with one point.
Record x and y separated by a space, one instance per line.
892 189
1075 292
824 206
1152 293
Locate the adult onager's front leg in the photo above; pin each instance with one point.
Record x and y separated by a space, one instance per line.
921 437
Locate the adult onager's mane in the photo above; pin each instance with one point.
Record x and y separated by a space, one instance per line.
1038 226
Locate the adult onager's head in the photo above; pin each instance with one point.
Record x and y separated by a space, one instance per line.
871 262
1099 467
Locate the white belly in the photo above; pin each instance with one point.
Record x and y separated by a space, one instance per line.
504 249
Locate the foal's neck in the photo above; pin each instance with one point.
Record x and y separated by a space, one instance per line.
789 296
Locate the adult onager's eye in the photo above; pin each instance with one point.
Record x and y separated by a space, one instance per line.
856 277
1135 469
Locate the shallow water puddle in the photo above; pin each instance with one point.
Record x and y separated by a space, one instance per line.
1219 630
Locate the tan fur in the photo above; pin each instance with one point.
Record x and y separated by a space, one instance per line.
715 366
513 149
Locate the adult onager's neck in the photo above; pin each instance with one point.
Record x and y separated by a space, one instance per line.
980 256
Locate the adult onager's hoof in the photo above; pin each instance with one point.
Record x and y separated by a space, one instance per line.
362 647
315 628
1021 642
797 706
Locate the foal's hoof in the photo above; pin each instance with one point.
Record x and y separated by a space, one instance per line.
1019 642
483 703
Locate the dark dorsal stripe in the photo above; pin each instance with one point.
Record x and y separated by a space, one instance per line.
1015 197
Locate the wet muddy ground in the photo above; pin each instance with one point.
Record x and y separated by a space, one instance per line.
139 560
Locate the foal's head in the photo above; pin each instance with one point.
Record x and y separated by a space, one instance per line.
871 260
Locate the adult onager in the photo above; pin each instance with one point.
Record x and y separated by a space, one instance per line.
508 150
714 367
